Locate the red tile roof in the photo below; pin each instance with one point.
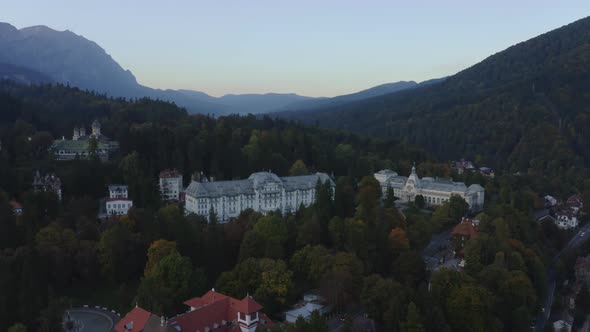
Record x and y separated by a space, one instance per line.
575 200
137 318
215 308
15 205
465 228
248 306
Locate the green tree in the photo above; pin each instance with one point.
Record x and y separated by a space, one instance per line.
390 198
458 207
170 283
470 308
413 320
18 327
337 229
156 252
50 318
583 300
377 294
298 168
419 201
368 199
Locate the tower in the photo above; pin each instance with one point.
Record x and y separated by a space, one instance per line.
411 186
82 131
76 134
248 314
96 128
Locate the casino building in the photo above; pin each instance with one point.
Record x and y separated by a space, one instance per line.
434 190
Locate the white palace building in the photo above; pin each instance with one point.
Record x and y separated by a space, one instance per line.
263 192
435 191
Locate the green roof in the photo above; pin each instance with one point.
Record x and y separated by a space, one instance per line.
76 145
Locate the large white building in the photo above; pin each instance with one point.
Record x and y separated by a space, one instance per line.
170 185
118 202
435 191
263 192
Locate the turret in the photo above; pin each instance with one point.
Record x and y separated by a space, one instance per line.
76 134
82 131
248 314
95 128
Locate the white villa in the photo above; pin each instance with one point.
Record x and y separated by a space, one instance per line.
118 202
263 192
435 191
566 220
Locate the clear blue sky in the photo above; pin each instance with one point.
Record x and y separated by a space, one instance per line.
310 47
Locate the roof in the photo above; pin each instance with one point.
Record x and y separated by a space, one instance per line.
15 205
170 173
386 172
255 181
575 199
136 319
154 324
209 297
261 178
117 187
77 145
541 214
117 199
248 305
475 188
305 310
215 309
426 183
207 316
100 138
465 228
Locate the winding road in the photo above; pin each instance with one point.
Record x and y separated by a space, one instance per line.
580 237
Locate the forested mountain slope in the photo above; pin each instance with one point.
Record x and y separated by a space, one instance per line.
526 108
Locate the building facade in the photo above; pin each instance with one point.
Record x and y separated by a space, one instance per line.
118 202
464 231
81 145
435 191
566 220
170 185
263 192
47 183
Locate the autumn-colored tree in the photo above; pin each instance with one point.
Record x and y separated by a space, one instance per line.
156 252
398 239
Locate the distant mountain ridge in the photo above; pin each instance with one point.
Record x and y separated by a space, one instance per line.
375 91
68 58
524 109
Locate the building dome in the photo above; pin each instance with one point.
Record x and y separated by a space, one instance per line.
261 178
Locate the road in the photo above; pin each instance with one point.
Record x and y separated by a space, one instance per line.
581 236
438 247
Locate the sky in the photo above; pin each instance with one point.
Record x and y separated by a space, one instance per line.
308 47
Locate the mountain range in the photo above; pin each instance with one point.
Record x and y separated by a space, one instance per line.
524 109
41 54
